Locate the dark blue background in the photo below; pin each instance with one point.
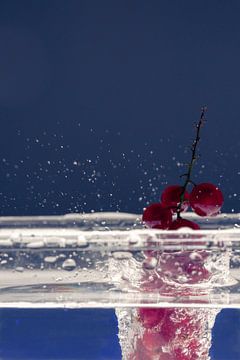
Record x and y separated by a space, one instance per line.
100 98
97 105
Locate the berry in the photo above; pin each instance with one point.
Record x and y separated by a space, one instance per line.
150 317
171 197
196 272
157 216
168 328
176 334
153 341
206 199
180 223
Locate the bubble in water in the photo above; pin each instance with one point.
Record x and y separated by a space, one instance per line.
134 239
69 264
82 242
19 269
195 256
50 259
35 244
150 263
6 243
122 255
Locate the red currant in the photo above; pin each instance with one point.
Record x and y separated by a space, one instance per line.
150 317
153 341
206 199
196 272
157 216
171 197
180 223
167 329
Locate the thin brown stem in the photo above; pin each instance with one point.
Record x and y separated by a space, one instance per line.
193 160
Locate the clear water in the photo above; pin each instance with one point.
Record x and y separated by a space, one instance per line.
109 260
137 342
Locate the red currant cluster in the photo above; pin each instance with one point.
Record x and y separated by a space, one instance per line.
177 330
175 333
205 199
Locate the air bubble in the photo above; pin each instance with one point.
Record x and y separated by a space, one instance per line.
35 245
6 243
134 239
50 259
195 256
122 255
69 264
150 263
19 269
82 242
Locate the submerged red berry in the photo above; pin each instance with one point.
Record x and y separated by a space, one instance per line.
157 216
206 199
180 223
171 197
151 317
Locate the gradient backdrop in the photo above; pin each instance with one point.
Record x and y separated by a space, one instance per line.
97 105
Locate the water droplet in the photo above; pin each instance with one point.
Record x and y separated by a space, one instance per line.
150 263
6 243
35 244
133 239
82 242
195 256
69 264
19 269
122 255
50 259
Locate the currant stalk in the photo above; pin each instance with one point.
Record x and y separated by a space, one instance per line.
193 160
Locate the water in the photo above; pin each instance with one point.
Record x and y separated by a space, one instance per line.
109 261
176 334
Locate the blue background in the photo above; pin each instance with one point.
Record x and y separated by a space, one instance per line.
97 105
88 334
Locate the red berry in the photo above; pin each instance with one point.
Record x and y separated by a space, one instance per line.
206 199
151 317
184 354
140 352
171 197
196 272
168 328
180 223
157 216
153 341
